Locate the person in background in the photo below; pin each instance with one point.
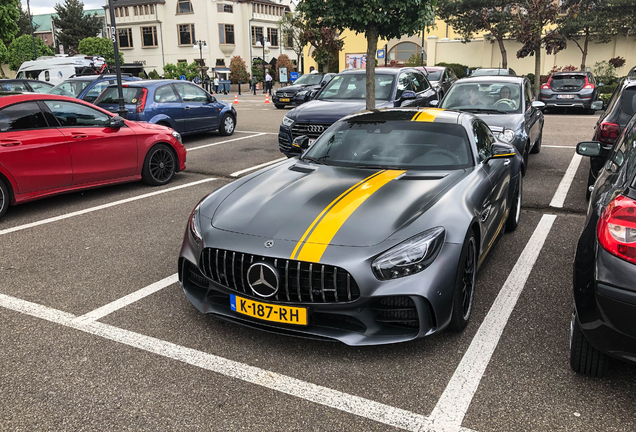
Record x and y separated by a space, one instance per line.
254 81
206 82
268 83
216 83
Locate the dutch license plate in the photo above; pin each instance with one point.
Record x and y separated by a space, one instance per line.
284 99
269 312
565 96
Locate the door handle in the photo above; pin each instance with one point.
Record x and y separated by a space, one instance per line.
483 216
78 135
506 162
10 143
186 107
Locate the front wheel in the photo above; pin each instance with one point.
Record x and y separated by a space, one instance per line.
515 208
4 199
464 284
227 125
160 166
584 358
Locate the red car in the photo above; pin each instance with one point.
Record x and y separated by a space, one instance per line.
55 144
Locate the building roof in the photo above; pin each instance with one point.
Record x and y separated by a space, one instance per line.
43 22
135 2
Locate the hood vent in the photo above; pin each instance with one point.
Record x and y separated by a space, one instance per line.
301 169
423 176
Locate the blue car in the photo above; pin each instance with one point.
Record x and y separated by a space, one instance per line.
181 105
346 94
88 87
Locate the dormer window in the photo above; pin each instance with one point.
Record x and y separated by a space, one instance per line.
184 7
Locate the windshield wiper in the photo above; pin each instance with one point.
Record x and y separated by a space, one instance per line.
386 167
320 160
485 110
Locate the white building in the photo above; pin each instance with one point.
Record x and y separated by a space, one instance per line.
157 32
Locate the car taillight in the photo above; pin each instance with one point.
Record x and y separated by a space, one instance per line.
546 86
608 132
141 102
616 229
588 85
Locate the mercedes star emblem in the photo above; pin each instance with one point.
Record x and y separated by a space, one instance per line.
263 279
269 243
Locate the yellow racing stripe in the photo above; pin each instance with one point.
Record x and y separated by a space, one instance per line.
427 115
326 229
322 213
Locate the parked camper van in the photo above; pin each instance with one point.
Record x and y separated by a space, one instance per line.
59 68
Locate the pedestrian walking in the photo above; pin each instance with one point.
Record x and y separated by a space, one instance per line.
268 83
254 81
206 83
216 84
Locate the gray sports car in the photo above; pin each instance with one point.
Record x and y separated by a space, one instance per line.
373 236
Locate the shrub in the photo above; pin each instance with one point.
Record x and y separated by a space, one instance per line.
459 69
530 77
414 61
238 70
605 73
617 62
153 74
605 98
607 89
174 72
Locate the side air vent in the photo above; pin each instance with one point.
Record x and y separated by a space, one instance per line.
423 177
301 169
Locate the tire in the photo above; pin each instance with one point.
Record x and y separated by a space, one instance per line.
160 165
5 199
464 291
537 146
584 358
515 208
227 125
279 106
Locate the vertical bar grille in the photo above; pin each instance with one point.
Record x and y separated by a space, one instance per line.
299 282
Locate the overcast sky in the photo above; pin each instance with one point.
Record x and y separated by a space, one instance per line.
46 6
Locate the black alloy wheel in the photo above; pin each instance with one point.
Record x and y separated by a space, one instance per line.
227 125
159 166
465 284
537 146
4 199
515 208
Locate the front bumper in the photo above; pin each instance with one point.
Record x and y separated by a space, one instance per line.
425 298
285 141
292 100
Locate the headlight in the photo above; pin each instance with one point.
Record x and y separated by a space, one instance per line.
301 93
177 136
194 226
411 256
287 121
507 135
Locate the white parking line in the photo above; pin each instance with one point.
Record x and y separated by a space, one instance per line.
452 406
562 191
310 392
225 141
556 146
253 132
129 299
101 207
238 173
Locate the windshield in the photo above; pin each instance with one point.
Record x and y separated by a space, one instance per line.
496 97
353 86
110 95
435 75
70 88
393 145
567 82
483 72
308 79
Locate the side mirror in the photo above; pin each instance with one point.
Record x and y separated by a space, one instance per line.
300 143
502 151
433 103
116 122
589 148
408 95
323 83
211 99
597 105
538 105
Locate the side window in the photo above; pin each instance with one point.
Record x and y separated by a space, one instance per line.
529 96
47 76
22 116
191 93
97 89
452 74
404 83
165 94
419 82
71 114
15 86
483 139
39 87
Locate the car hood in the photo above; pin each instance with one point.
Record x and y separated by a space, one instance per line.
323 111
508 121
296 88
343 206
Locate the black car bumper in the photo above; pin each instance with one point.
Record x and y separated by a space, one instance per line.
285 141
606 303
584 99
294 100
384 311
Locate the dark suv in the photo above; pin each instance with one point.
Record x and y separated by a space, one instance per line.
346 94
301 90
570 90
620 109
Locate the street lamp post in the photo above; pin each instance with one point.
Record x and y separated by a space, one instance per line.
35 52
263 41
121 110
200 44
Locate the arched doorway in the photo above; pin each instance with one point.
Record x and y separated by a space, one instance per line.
403 51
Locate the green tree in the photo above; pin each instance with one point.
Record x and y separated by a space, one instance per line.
326 43
9 15
587 21
21 50
530 21
292 28
4 58
172 71
375 18
238 70
24 23
257 70
96 46
73 25
470 17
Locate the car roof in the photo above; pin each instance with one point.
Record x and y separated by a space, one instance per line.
437 115
378 70
96 77
502 78
9 98
145 83
572 73
434 68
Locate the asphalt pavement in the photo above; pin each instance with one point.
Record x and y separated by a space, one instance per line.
96 335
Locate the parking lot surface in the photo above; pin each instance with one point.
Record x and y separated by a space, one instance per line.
96 333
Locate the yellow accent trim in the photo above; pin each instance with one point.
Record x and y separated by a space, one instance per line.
428 115
483 256
324 232
313 224
416 115
503 155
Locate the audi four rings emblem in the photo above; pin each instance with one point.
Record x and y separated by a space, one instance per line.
269 243
315 128
263 279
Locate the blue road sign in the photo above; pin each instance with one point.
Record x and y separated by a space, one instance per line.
381 53
293 76
182 78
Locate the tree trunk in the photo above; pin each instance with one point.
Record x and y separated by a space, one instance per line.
372 46
584 58
504 54
537 66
